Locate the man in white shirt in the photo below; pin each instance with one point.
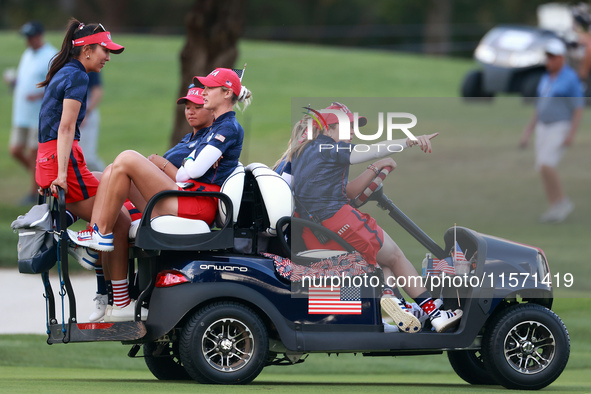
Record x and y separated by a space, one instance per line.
32 69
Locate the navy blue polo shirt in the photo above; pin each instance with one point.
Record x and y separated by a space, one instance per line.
226 134
70 82
183 149
321 173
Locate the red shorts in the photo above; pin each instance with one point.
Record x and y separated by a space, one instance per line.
81 183
357 228
202 208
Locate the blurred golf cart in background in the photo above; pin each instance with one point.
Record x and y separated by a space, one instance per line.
512 58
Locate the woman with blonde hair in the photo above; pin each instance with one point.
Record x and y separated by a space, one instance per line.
221 146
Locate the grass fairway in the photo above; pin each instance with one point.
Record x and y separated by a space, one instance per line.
87 380
476 177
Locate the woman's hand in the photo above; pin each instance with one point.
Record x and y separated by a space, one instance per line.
423 141
386 162
61 182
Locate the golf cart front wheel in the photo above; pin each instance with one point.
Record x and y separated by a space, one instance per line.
526 347
224 343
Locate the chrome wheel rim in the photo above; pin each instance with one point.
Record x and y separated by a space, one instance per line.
529 347
227 345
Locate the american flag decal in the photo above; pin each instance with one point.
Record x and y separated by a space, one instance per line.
334 301
220 137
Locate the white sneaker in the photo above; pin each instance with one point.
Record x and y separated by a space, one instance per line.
389 327
400 315
101 306
558 212
93 239
117 314
446 320
86 257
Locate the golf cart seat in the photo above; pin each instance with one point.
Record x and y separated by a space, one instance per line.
170 232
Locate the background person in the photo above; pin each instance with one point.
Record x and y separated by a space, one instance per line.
32 69
557 117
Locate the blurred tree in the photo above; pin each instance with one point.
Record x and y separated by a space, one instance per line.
438 27
213 29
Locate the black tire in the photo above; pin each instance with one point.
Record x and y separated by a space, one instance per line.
163 360
224 343
469 366
526 347
472 85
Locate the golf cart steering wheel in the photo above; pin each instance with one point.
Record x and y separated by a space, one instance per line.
373 186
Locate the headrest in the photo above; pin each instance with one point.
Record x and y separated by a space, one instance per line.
233 187
276 194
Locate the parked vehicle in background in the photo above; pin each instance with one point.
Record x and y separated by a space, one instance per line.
512 58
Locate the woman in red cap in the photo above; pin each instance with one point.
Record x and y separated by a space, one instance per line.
214 158
60 161
320 168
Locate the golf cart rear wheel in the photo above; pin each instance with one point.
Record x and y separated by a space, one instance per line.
526 347
469 366
163 360
224 343
472 85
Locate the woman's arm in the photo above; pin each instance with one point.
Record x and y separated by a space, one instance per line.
358 185
195 168
388 147
65 139
166 166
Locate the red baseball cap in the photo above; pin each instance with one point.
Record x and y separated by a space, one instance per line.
194 95
103 39
222 77
332 118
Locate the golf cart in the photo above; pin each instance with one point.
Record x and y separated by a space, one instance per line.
225 302
512 58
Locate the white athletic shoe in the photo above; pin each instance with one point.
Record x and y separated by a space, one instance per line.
117 314
446 320
86 257
558 212
102 301
389 327
401 316
93 239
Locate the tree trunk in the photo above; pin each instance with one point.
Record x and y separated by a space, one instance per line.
213 30
437 27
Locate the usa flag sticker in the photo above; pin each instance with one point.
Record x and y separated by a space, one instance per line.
220 137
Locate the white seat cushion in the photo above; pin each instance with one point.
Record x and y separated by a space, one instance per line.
172 225
321 253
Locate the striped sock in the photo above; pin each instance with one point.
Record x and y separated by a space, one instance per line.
429 307
101 285
121 293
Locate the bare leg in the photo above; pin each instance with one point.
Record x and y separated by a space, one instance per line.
391 258
116 183
552 184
